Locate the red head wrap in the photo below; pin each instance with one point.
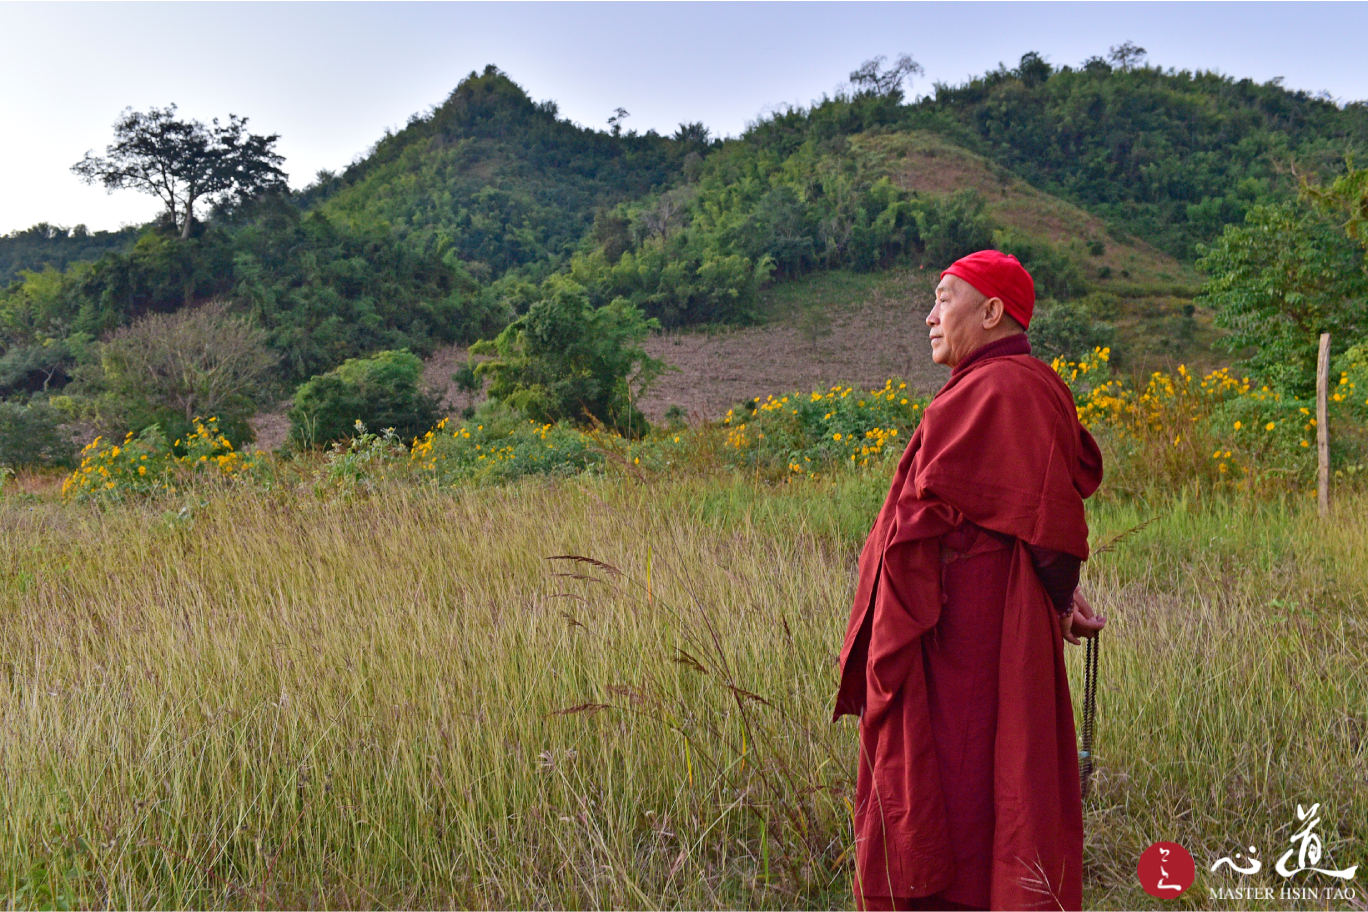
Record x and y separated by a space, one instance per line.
999 275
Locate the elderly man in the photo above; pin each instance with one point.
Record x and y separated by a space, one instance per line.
968 793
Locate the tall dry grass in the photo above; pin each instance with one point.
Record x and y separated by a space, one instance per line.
395 698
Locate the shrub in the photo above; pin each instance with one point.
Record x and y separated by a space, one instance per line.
382 391
566 360
816 432
1214 432
170 369
1066 330
503 445
31 435
952 226
146 464
1285 275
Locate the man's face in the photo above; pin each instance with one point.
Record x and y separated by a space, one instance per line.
956 321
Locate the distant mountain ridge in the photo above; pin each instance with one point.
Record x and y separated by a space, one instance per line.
1103 180
500 181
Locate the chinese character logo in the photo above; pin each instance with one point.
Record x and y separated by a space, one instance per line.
1309 851
1306 845
1166 870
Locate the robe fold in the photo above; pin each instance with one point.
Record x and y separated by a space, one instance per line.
968 786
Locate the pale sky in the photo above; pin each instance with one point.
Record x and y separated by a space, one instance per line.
330 77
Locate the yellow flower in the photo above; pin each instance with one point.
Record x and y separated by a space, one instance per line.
1269 426
1238 425
835 436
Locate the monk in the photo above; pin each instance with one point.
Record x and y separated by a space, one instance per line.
968 793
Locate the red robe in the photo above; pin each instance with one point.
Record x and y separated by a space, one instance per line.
1000 448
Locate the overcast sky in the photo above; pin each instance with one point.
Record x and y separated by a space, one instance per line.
330 77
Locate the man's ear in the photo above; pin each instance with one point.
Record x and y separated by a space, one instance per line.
993 311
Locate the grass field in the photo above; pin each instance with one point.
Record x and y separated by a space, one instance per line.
297 697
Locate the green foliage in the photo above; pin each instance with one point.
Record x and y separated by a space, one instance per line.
501 446
953 226
566 359
31 434
1281 279
364 459
146 464
381 391
327 290
805 434
172 369
1056 272
499 181
1066 330
51 246
324 291
1170 156
41 366
701 254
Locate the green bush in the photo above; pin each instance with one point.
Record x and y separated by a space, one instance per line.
502 445
1066 330
814 433
382 391
146 464
1279 280
953 226
31 435
566 360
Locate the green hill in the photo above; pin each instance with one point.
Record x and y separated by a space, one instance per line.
1102 180
51 246
499 181
1168 155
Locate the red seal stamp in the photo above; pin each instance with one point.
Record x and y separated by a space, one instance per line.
1165 870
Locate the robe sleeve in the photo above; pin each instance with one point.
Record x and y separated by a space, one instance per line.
1058 573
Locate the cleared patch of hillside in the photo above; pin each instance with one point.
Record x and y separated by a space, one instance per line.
876 331
920 162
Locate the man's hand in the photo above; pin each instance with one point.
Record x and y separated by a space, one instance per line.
1082 623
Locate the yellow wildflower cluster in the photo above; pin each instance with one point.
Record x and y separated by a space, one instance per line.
145 464
1165 402
814 431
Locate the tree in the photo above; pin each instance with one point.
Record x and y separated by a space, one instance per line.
169 369
31 434
1281 279
567 360
381 391
183 161
873 79
1126 56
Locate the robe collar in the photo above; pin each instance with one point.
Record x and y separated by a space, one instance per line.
1015 344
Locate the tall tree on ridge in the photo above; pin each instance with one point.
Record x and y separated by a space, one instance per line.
184 161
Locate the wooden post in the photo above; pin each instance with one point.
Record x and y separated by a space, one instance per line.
1323 427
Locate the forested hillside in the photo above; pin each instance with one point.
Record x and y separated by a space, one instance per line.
1168 155
1104 179
498 180
45 245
